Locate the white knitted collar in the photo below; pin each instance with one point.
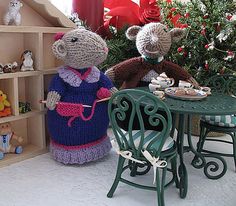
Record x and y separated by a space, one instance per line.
73 80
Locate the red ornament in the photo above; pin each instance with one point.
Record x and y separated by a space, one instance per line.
173 9
206 66
206 46
230 53
229 17
206 16
187 15
180 49
203 32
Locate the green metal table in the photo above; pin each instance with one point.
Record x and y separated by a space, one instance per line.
215 104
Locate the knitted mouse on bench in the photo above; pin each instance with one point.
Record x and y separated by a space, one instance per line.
78 133
153 42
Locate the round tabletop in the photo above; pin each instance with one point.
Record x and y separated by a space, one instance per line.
215 104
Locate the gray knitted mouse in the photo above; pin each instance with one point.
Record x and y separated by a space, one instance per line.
77 122
153 42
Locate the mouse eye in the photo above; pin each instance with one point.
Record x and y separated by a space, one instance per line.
74 39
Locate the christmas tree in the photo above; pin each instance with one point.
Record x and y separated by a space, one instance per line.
120 49
210 44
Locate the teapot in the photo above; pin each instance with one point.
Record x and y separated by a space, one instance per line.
161 82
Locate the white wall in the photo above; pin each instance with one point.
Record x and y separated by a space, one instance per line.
63 5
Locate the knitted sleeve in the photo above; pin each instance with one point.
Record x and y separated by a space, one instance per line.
57 85
175 71
126 69
105 81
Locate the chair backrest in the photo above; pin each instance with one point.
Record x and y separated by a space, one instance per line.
136 107
223 83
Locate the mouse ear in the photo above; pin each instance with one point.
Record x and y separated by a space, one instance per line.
177 34
132 32
59 49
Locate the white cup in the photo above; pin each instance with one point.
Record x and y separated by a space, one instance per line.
159 94
164 82
154 87
185 84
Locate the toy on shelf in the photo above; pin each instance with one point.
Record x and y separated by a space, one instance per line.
153 42
1 69
13 15
5 109
27 61
24 107
9 68
77 122
7 137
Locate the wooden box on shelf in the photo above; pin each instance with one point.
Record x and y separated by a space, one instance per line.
40 22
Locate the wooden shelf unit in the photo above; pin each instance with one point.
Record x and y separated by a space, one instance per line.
36 34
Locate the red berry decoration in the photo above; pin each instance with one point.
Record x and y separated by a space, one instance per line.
173 9
206 46
229 17
206 66
206 16
203 32
180 49
187 15
230 53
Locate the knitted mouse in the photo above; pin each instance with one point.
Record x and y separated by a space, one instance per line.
78 132
153 42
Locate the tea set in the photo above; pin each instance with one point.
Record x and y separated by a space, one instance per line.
162 82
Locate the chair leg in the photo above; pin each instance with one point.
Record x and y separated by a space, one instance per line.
134 169
118 176
160 183
174 170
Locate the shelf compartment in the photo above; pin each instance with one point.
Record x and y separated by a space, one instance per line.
34 139
19 74
20 42
20 116
9 87
29 152
49 60
30 90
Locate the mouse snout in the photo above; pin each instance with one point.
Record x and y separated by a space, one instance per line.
106 49
154 40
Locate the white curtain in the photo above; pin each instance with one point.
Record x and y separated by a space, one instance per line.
63 5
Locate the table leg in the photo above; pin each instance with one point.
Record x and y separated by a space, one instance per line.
182 171
174 116
199 161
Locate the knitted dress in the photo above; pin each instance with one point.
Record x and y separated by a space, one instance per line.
80 141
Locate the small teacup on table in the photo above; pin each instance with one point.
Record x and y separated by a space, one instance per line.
159 84
184 84
206 89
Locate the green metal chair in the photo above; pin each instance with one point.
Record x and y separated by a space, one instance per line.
142 147
223 84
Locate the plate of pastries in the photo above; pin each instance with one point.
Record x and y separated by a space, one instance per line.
185 93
